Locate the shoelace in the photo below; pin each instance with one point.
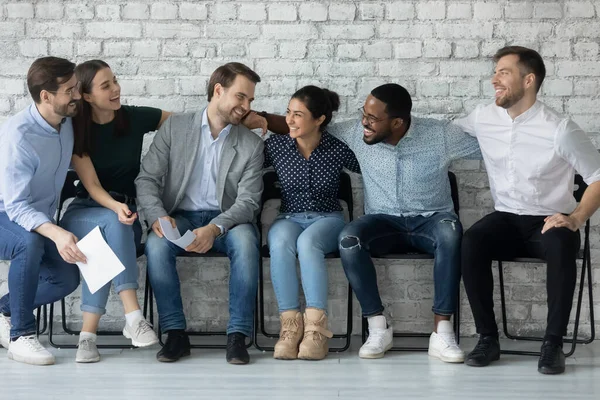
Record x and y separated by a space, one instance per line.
86 344
448 338
375 338
289 327
238 340
482 347
143 327
547 353
32 342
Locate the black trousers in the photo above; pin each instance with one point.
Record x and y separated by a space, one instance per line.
502 235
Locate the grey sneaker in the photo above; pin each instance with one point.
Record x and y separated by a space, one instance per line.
87 352
141 333
4 331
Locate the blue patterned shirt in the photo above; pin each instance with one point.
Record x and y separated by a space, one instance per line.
313 184
411 178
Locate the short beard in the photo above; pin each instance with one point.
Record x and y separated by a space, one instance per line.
64 110
507 102
377 138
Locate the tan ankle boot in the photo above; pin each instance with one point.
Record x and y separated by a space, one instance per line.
292 329
314 345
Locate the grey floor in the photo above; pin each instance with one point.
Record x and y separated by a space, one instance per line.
135 374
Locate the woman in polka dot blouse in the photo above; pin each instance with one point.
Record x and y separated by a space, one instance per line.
308 163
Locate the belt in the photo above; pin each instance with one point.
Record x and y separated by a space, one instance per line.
120 197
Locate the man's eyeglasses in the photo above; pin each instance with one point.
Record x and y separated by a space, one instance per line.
69 92
372 119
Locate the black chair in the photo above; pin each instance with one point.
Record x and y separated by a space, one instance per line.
272 190
192 333
586 268
68 192
422 256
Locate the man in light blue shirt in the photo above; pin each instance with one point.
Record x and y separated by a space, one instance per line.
35 152
404 162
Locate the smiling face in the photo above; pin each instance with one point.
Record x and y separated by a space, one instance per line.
300 120
376 122
105 91
65 99
234 102
508 81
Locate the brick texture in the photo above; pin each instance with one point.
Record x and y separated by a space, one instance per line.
164 51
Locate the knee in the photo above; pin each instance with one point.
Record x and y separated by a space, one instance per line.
71 279
561 238
243 240
348 239
449 232
115 231
307 245
32 244
278 240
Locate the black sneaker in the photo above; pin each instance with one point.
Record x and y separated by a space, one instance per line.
486 351
176 346
552 359
236 349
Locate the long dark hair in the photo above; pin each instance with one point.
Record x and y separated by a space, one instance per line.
319 102
82 122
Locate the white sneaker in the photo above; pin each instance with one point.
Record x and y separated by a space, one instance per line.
141 333
380 338
443 345
4 331
28 350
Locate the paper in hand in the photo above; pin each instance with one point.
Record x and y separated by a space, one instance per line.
173 235
102 263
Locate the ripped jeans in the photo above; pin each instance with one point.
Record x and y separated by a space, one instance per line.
378 234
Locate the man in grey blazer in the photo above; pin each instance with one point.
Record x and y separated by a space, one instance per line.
203 172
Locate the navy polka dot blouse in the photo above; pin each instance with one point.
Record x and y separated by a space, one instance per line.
313 184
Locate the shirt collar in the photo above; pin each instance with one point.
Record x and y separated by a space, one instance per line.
529 113
37 117
325 142
206 128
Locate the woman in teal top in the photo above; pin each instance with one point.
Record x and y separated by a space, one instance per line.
107 152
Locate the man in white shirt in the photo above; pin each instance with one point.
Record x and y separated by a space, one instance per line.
531 154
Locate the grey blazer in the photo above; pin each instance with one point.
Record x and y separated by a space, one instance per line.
166 169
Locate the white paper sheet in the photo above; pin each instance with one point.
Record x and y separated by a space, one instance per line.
173 235
102 263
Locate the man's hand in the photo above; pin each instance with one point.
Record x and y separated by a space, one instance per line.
66 244
156 225
561 221
124 214
254 121
205 238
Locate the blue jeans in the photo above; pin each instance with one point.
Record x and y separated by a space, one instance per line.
379 234
241 246
310 235
81 217
37 275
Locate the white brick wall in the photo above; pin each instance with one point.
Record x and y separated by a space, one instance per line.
164 52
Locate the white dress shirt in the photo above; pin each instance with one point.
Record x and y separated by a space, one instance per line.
201 193
531 160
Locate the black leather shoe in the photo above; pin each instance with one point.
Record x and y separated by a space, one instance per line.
552 359
486 351
236 349
176 346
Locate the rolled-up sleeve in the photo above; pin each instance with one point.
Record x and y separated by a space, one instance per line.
18 167
575 147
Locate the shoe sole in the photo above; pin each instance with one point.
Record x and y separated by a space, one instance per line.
376 355
446 359
545 371
236 361
471 363
87 361
28 360
171 360
136 343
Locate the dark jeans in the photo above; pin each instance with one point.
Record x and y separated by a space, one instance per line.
502 235
379 234
37 275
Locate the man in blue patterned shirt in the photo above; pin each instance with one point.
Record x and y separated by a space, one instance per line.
408 206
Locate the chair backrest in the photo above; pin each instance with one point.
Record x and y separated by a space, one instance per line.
68 191
580 187
272 190
454 191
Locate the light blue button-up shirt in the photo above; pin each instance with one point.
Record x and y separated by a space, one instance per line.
411 178
34 159
201 193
